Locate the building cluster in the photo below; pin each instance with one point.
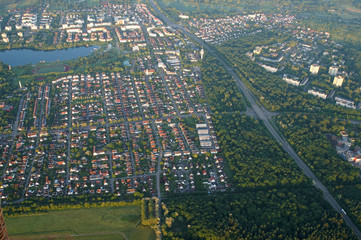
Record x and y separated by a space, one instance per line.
108 132
308 56
189 173
218 30
89 149
343 144
102 133
98 24
309 60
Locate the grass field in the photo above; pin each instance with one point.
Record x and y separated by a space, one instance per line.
10 4
48 69
62 6
90 224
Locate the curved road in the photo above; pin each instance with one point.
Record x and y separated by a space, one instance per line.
263 115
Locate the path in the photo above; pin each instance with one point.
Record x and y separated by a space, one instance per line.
67 236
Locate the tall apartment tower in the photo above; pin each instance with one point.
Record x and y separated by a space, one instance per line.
3 232
338 80
314 68
333 70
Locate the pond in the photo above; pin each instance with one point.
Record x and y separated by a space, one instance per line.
18 57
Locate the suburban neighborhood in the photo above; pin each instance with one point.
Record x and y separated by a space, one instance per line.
110 132
147 129
310 61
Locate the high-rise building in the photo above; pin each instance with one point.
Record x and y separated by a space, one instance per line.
314 68
3 232
333 70
338 80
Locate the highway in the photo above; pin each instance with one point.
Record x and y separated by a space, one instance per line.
264 116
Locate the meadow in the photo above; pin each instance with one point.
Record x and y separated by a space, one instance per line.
92 223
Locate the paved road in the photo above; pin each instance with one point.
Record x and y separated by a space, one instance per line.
109 153
265 117
39 125
13 134
67 182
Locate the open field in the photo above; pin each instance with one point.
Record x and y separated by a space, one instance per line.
353 9
10 4
64 6
93 223
51 68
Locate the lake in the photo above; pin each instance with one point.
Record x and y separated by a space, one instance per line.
18 57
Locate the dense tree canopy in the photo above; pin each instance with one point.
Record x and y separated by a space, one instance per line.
254 158
273 214
306 133
221 90
6 76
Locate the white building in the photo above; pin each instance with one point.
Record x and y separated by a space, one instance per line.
257 50
345 102
333 70
119 20
338 80
269 68
317 93
291 80
182 16
205 143
314 68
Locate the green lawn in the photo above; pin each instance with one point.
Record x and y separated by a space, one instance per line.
103 223
54 68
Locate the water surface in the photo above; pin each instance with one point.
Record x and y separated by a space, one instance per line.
18 57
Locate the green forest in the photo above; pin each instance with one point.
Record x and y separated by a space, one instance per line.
6 77
307 135
6 89
271 214
254 158
221 90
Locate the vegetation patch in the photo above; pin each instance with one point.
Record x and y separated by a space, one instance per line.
307 134
52 68
100 222
272 214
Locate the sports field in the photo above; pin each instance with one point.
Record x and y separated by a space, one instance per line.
92 224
